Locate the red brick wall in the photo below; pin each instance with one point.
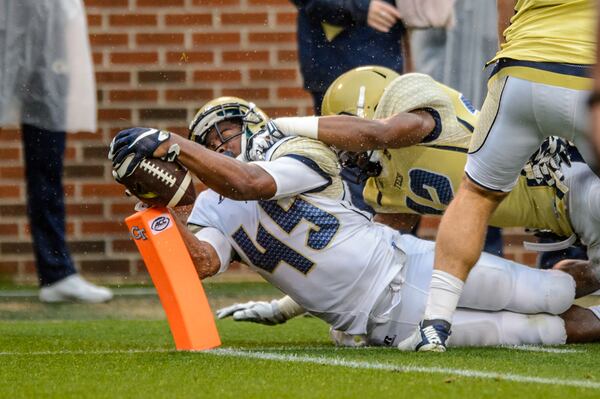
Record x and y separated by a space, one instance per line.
156 62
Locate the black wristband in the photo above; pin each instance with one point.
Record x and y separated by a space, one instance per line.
594 98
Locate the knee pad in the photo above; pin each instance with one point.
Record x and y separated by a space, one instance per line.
489 287
498 284
543 291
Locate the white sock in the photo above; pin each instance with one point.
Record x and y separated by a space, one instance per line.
444 294
595 310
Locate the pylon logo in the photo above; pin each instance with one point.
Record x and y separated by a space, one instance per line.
160 224
138 233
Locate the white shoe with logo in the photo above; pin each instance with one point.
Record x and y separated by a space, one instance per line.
430 336
74 288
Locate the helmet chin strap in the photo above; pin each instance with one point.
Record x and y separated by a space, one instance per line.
243 145
360 103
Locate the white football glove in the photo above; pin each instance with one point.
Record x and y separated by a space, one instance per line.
544 166
261 142
262 312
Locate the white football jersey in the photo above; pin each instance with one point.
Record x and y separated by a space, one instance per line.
324 253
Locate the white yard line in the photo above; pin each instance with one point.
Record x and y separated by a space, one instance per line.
533 348
337 362
526 348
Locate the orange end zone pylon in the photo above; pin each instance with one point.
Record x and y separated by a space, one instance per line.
175 278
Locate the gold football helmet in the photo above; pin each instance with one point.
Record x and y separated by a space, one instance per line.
251 118
357 92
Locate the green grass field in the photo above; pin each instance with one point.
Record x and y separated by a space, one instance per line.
124 349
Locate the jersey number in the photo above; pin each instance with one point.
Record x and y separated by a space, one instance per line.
425 184
272 251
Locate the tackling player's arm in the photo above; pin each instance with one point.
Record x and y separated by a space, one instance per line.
352 133
283 177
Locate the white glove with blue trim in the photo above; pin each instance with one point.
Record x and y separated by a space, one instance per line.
261 312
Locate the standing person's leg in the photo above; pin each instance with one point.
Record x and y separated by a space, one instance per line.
505 138
317 100
460 241
429 51
43 152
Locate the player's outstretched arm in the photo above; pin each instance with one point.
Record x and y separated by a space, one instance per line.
225 175
352 133
262 312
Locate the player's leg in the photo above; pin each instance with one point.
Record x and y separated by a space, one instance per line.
564 112
499 284
505 138
481 328
494 284
459 244
391 323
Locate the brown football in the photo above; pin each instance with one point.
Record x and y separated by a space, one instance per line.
158 182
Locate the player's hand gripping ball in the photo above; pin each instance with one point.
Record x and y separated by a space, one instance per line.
157 182
141 142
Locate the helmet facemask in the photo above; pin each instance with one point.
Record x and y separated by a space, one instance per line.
250 118
359 165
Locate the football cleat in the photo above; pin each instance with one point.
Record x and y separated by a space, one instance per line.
430 336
